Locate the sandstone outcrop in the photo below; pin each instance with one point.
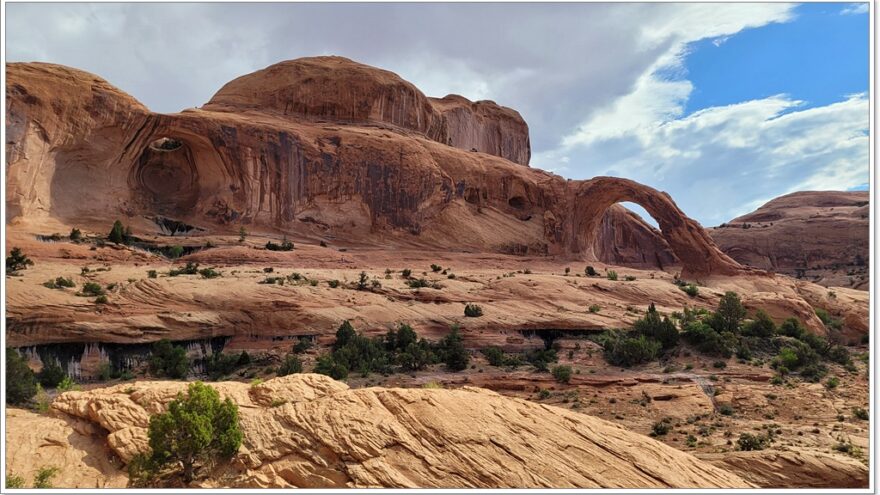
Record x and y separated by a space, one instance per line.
821 236
802 469
326 435
318 147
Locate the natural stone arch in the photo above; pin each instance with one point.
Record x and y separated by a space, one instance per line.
698 253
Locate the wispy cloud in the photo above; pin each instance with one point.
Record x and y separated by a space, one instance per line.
855 8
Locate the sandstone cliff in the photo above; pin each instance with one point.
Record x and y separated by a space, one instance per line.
318 147
325 435
821 236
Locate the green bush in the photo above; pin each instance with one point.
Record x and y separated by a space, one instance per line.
333 283
17 261
198 429
594 308
190 269
652 327
168 360
406 273
726 409
719 365
451 348
473 311
791 327
52 374
284 246
291 364
690 289
175 252
417 283
118 234
43 478
541 358
729 315
13 480
861 413
21 384
590 271
707 340
152 274
760 326
302 345
562 373
102 299
832 383
75 234
326 365
748 442
623 350
209 273
611 275
436 268
661 428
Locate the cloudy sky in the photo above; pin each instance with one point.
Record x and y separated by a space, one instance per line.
724 106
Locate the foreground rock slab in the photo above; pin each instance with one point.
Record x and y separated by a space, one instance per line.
311 431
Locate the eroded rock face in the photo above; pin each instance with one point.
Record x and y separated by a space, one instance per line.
253 157
834 253
326 435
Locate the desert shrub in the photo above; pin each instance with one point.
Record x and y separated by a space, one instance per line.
326 365
302 345
21 384
861 413
175 252
452 351
652 327
242 234
832 383
17 261
220 364
611 275
102 299
209 273
91 289
729 315
629 278
43 477
760 326
748 442
406 273
333 283
726 410
541 358
119 234
719 365
198 429
690 289
152 274
66 384
284 246
661 427
473 310
791 327
562 373
494 355
544 394
417 283
436 268
829 321
363 281
168 360
594 308
838 354
590 271
13 480
75 234
706 339
51 374
268 269
623 350
567 271
291 364
59 283
190 269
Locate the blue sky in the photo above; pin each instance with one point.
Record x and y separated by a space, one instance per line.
722 105
820 57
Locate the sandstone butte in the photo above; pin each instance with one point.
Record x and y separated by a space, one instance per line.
327 435
835 253
326 150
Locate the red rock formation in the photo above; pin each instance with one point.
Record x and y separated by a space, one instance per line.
816 235
624 238
256 155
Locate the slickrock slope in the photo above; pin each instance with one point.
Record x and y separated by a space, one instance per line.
821 236
327 435
802 469
318 147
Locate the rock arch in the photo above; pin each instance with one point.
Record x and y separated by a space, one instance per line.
698 253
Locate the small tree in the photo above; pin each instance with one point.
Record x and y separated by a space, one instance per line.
730 313
75 234
562 373
51 374
344 334
197 430
760 326
291 364
168 360
117 233
21 384
17 261
455 355
242 234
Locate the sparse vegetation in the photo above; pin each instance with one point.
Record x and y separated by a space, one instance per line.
91 289
562 373
690 289
611 275
284 246
75 234
594 308
590 271
152 274
21 383
17 261
119 234
473 311
661 427
168 360
623 350
436 268
291 364
190 269
59 283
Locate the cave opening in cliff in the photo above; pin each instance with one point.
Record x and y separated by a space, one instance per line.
165 177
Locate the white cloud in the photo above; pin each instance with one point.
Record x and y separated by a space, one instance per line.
855 8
